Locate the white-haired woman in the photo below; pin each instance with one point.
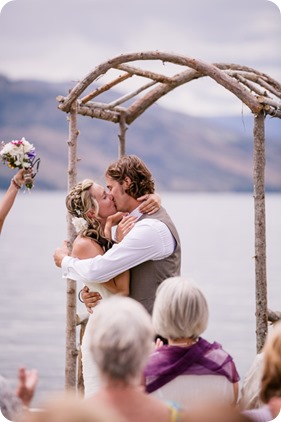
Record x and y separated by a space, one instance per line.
189 370
122 339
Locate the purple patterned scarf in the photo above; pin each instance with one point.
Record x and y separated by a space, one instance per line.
168 362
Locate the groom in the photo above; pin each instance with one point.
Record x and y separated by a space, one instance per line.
151 249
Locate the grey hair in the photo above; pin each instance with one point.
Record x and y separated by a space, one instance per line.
180 309
121 339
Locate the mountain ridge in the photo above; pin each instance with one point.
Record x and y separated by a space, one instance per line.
184 153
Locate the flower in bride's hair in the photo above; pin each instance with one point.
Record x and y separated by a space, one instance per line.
79 224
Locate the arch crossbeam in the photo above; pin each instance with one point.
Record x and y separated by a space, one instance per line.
255 89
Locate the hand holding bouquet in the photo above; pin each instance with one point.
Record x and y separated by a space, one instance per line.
20 154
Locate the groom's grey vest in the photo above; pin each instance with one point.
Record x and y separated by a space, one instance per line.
146 277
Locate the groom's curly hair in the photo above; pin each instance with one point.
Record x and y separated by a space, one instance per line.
131 166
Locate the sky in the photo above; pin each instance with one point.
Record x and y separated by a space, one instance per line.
62 40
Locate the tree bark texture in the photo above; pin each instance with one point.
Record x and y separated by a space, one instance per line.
122 133
260 231
80 378
71 348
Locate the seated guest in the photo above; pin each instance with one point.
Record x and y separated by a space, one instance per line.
189 369
270 385
122 340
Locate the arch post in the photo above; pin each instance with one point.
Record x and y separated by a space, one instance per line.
71 348
260 231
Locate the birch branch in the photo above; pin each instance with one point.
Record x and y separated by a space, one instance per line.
144 73
131 95
105 87
98 113
251 86
269 101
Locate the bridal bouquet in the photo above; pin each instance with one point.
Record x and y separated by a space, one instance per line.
20 154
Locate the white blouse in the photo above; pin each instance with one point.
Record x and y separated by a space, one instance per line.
193 390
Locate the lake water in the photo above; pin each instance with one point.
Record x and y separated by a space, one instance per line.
217 234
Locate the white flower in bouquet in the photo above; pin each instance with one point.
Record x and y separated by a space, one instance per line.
18 154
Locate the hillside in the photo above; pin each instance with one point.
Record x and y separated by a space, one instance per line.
184 153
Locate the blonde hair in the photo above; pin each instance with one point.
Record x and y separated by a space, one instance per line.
271 376
79 202
180 309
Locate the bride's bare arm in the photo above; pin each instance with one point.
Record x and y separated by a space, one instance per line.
111 221
10 196
119 284
150 203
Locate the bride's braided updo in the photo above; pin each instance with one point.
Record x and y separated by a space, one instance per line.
79 202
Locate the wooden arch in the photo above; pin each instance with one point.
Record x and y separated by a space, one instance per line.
255 89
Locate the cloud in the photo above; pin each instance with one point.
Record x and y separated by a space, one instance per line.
60 40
